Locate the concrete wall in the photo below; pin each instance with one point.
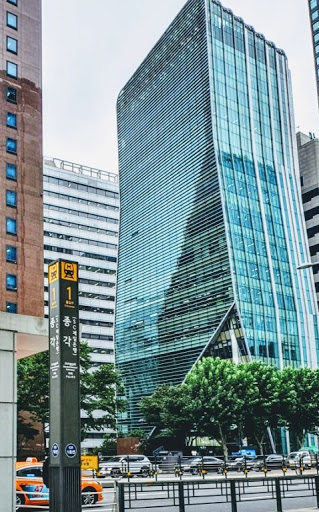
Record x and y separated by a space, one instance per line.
20 336
8 416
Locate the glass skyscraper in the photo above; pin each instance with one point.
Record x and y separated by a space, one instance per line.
211 231
314 19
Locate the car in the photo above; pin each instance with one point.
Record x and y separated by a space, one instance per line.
272 461
241 463
206 463
30 489
120 465
185 465
301 458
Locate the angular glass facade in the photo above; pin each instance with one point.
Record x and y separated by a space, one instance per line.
314 20
211 229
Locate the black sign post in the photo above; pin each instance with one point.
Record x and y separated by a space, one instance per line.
65 456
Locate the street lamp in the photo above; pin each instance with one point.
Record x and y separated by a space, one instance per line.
307 264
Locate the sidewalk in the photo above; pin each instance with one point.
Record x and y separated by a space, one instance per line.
302 509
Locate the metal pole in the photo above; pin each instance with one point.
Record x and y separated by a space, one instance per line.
278 495
120 497
317 489
181 499
65 446
233 496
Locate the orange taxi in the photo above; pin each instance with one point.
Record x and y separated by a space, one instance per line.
30 489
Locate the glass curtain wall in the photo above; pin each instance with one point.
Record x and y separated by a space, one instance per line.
211 230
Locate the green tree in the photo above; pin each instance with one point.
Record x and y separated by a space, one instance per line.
108 447
169 409
216 392
299 401
99 391
262 404
33 395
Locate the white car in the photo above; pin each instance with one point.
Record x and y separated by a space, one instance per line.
122 464
302 458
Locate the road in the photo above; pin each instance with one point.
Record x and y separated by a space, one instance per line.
156 499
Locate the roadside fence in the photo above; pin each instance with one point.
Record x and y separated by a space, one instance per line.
180 494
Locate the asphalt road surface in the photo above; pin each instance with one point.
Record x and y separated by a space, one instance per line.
153 500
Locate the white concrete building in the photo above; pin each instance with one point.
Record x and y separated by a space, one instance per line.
81 222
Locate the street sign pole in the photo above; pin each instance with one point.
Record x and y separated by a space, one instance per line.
65 486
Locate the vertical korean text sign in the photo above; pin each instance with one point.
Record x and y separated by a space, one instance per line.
64 371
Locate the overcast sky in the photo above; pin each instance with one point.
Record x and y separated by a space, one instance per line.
92 47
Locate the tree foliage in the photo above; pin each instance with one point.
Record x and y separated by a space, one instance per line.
170 410
262 404
99 391
219 396
299 405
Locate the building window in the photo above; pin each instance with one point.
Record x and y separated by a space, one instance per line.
12 45
11 254
12 20
313 4
11 226
11 198
11 120
11 307
13 2
11 146
11 172
11 95
11 282
12 69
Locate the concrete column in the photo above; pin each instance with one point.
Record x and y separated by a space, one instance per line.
8 419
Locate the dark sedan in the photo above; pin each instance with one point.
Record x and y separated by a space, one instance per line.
206 463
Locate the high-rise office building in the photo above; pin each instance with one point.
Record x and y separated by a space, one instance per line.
22 328
212 230
314 20
308 153
81 223
21 234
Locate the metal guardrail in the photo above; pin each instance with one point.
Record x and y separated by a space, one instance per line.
178 495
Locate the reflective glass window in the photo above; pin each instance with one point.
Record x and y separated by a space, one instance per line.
11 119
11 254
11 307
11 95
316 26
11 198
11 145
314 15
313 4
12 45
11 171
11 226
11 282
12 69
12 20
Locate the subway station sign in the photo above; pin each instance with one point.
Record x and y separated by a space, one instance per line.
64 364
